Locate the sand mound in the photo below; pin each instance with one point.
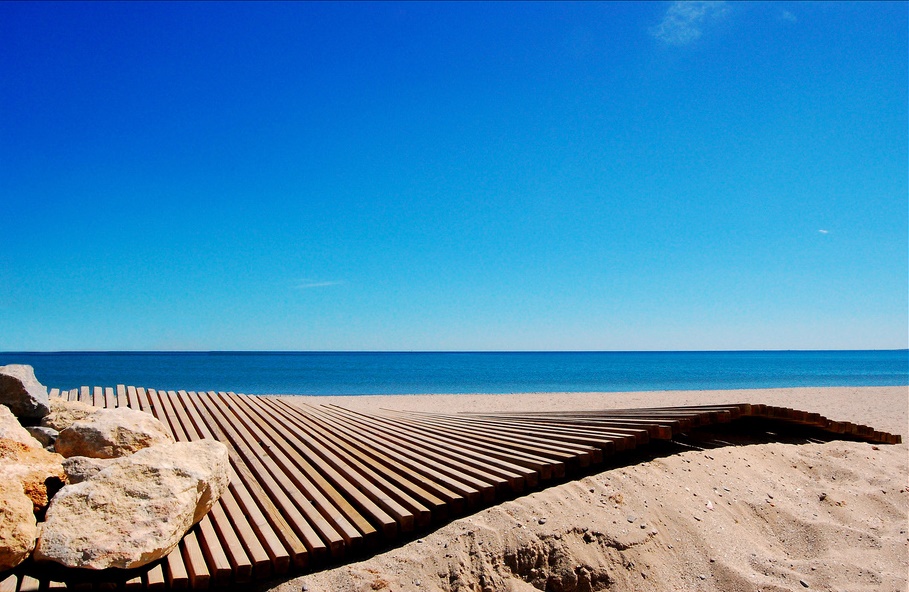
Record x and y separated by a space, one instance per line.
761 517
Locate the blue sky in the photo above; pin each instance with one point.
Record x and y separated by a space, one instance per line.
617 176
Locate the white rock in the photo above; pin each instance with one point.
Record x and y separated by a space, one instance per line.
21 391
64 413
18 529
109 433
11 429
136 510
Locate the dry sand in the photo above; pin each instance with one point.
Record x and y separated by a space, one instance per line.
767 516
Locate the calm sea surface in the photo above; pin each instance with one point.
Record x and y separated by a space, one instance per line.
340 373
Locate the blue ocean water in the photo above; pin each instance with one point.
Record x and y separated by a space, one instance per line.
357 373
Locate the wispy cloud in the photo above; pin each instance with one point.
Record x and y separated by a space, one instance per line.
305 284
822 231
684 21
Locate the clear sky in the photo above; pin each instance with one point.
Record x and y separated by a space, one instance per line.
445 176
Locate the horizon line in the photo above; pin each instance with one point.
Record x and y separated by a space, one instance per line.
453 351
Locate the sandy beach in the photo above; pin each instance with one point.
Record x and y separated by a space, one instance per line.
759 516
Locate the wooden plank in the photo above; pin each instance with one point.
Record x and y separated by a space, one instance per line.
9 583
194 560
85 395
29 584
144 401
154 578
175 570
110 399
54 393
157 409
122 400
133 398
98 397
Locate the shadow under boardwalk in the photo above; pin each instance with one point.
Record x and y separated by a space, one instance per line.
313 486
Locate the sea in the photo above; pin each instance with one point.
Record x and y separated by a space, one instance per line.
371 373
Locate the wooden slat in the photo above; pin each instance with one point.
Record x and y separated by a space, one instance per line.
122 400
29 584
175 570
110 399
132 398
98 396
154 578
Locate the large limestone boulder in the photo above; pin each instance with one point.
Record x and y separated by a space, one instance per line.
11 429
18 529
109 433
40 472
65 413
22 393
136 510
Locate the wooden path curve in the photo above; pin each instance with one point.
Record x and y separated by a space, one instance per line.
311 485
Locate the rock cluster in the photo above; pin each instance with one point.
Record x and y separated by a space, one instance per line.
102 488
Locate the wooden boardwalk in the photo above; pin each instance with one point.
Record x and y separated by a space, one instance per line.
312 485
